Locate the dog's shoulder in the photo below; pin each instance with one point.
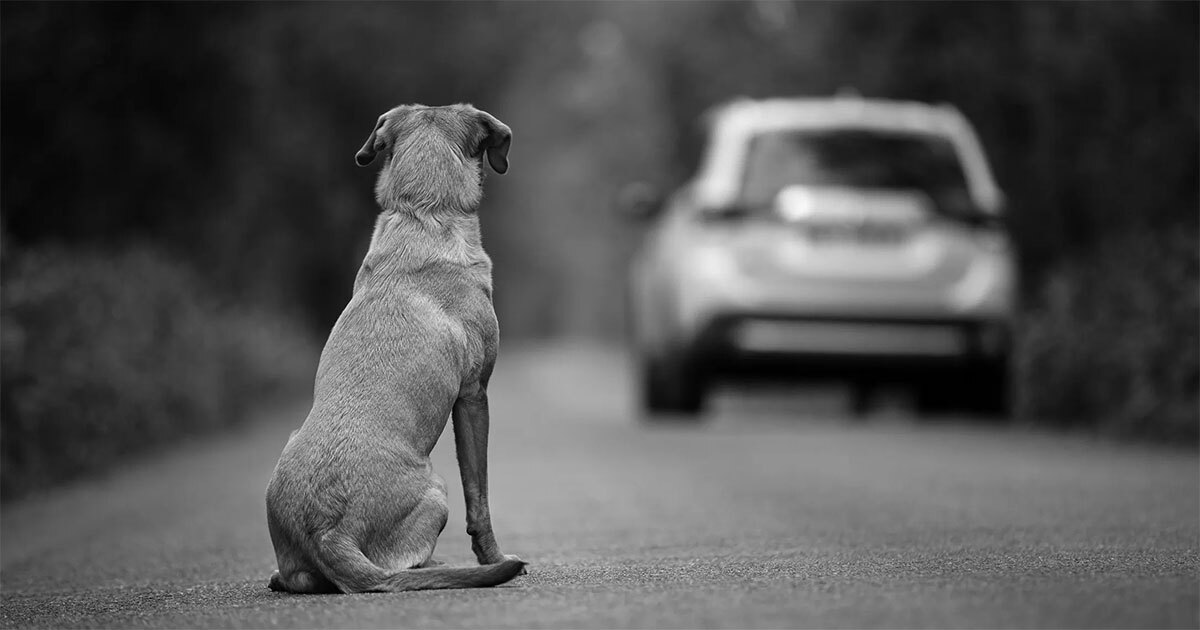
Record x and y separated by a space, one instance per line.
462 292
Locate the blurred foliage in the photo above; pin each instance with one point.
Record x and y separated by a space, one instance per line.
223 132
223 135
1113 343
106 354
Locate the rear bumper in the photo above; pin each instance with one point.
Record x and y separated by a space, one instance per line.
848 347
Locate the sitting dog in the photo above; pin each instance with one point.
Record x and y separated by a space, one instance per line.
353 504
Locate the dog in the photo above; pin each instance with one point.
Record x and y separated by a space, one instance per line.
353 504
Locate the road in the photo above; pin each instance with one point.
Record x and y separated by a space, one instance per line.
776 512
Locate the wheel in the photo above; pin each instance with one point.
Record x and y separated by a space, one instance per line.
987 392
982 390
940 396
862 396
671 385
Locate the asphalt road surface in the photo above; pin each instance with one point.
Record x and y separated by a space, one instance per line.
777 512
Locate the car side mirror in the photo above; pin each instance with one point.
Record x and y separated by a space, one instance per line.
640 201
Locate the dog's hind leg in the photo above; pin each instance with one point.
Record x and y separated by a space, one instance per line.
423 526
434 511
409 542
409 545
300 581
297 572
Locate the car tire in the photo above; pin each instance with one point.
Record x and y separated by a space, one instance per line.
671 386
988 392
980 391
861 399
936 397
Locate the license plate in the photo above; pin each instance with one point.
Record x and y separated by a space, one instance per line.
871 233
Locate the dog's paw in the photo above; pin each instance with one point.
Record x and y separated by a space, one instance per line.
276 584
524 571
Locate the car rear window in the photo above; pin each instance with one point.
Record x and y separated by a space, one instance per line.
852 158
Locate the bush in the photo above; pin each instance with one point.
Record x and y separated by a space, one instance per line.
105 355
1113 344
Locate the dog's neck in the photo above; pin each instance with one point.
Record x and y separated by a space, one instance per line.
407 240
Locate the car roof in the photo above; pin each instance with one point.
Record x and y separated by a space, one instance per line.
754 116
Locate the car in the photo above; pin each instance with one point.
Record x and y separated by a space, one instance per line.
832 237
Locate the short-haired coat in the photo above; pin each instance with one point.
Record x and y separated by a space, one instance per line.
353 504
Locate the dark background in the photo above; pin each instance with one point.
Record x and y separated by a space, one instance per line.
182 219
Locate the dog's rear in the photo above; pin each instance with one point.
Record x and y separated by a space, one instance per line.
353 505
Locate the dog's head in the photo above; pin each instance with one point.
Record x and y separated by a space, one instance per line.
433 155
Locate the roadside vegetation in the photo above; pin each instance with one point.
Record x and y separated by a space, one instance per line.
109 354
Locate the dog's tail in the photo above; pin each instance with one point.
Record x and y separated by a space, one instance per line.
451 577
347 567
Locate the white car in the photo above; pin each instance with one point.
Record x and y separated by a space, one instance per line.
829 237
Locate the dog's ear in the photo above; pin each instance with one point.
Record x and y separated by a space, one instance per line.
496 139
372 146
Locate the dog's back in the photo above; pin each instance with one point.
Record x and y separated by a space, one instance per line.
409 338
353 504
